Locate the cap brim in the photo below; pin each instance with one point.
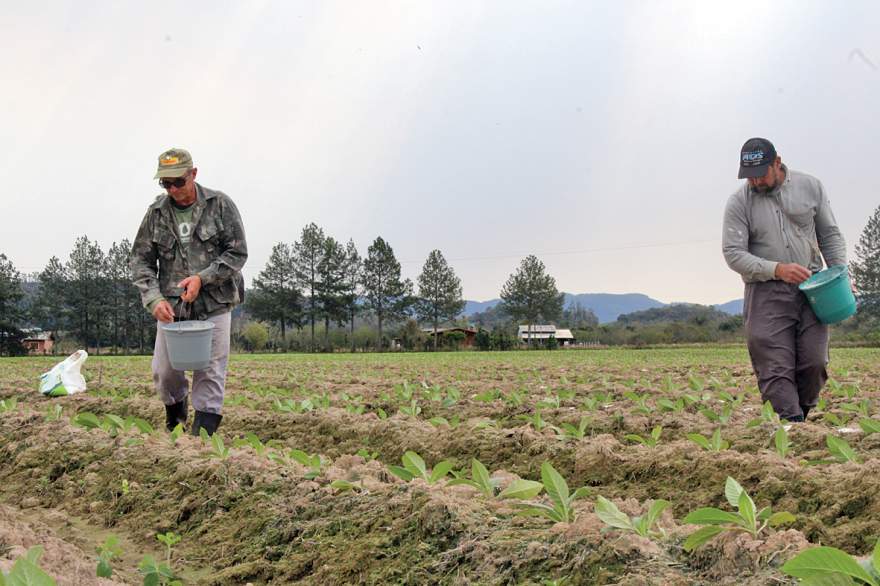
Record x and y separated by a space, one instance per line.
171 173
751 172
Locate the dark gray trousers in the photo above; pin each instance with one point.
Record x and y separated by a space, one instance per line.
787 344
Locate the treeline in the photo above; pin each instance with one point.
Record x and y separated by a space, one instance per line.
331 297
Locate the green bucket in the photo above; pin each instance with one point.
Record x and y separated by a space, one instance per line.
830 294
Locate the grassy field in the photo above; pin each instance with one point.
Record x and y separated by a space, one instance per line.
304 489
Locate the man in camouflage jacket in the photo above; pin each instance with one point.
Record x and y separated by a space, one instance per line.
186 261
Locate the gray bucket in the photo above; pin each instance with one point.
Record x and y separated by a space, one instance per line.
189 344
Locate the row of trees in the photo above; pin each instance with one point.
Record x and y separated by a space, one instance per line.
319 280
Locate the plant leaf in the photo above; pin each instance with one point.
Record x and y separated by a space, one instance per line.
611 515
701 536
401 473
841 449
653 513
555 485
700 440
440 470
869 426
711 516
522 489
747 512
732 490
781 518
481 476
415 464
824 560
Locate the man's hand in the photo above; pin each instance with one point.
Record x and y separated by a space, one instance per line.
191 287
163 312
792 273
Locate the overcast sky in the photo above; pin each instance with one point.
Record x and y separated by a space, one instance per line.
602 137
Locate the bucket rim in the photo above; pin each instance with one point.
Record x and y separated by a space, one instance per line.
824 277
189 326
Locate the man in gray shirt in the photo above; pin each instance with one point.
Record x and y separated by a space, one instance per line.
778 227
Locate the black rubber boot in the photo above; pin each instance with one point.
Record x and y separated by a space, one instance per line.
806 411
175 414
795 419
207 421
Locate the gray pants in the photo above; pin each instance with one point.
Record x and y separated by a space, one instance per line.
787 344
208 384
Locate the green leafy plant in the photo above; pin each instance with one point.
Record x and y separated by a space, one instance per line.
781 441
479 479
53 413
313 462
840 449
862 408
157 574
251 440
344 485
27 572
722 416
829 565
414 467
651 441
571 432
218 448
715 444
367 455
835 419
488 396
7 405
556 488
614 517
106 552
535 420
768 415
413 409
746 518
641 402
175 434
869 426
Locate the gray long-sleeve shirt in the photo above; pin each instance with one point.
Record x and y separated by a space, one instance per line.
791 224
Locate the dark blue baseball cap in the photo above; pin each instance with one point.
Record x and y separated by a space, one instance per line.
755 157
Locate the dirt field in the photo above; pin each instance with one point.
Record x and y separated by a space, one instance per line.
256 515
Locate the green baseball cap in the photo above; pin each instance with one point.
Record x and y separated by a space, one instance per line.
174 163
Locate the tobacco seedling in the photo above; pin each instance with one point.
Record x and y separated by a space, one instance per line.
641 402
556 488
313 462
862 408
781 441
106 552
569 431
841 450
746 518
550 402
27 572
715 444
535 420
479 479
7 405
869 426
438 421
218 448
250 440
614 517
414 467
835 419
367 455
768 415
722 417
413 410
157 574
345 485
829 565
651 441
488 396
53 413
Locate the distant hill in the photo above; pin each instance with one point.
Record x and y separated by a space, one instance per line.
607 306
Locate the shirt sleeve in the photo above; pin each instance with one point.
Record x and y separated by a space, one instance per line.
144 272
735 245
828 235
234 255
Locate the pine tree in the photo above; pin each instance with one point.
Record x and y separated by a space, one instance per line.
866 271
87 291
275 297
439 292
331 286
50 309
351 285
387 297
10 311
307 255
531 293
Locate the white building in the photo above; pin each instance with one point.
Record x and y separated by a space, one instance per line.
545 332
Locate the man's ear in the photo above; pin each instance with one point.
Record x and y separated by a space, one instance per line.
195 172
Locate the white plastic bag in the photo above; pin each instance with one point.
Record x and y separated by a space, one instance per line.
65 378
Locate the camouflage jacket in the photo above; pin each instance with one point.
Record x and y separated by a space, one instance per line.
216 253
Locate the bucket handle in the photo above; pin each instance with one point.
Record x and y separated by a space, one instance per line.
184 309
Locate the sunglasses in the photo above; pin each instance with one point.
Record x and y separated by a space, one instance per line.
169 183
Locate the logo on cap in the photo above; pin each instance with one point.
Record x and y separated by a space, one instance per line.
169 161
753 157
